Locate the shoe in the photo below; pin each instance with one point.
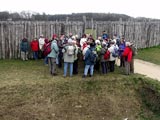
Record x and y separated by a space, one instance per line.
90 75
83 76
64 76
54 74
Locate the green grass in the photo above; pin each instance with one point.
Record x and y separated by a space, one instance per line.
150 54
27 91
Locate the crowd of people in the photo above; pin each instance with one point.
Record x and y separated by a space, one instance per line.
67 51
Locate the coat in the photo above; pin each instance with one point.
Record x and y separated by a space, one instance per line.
87 58
127 54
54 50
34 45
68 58
24 45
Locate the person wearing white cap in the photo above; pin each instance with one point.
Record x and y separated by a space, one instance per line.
41 44
127 54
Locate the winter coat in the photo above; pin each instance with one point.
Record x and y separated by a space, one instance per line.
68 58
24 45
111 50
41 43
121 48
54 50
103 51
34 45
87 58
127 54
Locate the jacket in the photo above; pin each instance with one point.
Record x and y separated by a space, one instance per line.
24 45
67 58
87 59
34 45
127 54
54 50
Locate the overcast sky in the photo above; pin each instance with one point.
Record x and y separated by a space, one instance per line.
134 8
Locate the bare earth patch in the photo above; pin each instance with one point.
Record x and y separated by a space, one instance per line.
146 68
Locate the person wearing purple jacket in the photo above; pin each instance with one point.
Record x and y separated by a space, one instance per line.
121 49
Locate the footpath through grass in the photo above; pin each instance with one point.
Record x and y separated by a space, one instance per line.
150 54
28 92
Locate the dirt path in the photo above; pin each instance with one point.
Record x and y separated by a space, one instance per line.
149 69
146 68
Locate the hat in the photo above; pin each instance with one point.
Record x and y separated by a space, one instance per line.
54 36
128 43
97 42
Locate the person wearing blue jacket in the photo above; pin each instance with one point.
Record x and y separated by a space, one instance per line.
88 60
52 57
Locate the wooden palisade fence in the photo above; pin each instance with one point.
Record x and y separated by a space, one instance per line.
143 34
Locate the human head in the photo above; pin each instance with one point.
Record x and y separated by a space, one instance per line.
128 44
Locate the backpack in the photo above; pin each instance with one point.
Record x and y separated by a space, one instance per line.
70 50
107 55
47 49
93 56
115 52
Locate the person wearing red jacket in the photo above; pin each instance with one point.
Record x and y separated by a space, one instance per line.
35 47
127 54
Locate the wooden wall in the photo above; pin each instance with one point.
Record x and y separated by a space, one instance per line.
143 34
12 32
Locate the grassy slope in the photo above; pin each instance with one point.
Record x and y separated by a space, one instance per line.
27 91
150 54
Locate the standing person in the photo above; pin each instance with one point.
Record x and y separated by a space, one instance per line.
111 58
83 41
90 58
121 49
60 54
52 56
75 63
41 44
68 55
35 48
44 48
104 35
127 54
134 52
102 59
98 50
24 47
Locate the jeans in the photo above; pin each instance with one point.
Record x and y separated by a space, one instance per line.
111 65
35 55
46 60
87 68
66 68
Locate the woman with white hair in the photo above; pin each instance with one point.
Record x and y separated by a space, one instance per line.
127 54
68 55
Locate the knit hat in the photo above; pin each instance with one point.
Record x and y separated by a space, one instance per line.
128 43
54 36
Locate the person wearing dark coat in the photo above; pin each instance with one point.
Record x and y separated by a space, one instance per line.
24 47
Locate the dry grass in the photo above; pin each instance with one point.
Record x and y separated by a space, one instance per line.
28 92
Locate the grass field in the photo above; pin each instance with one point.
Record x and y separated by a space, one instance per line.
28 92
150 54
